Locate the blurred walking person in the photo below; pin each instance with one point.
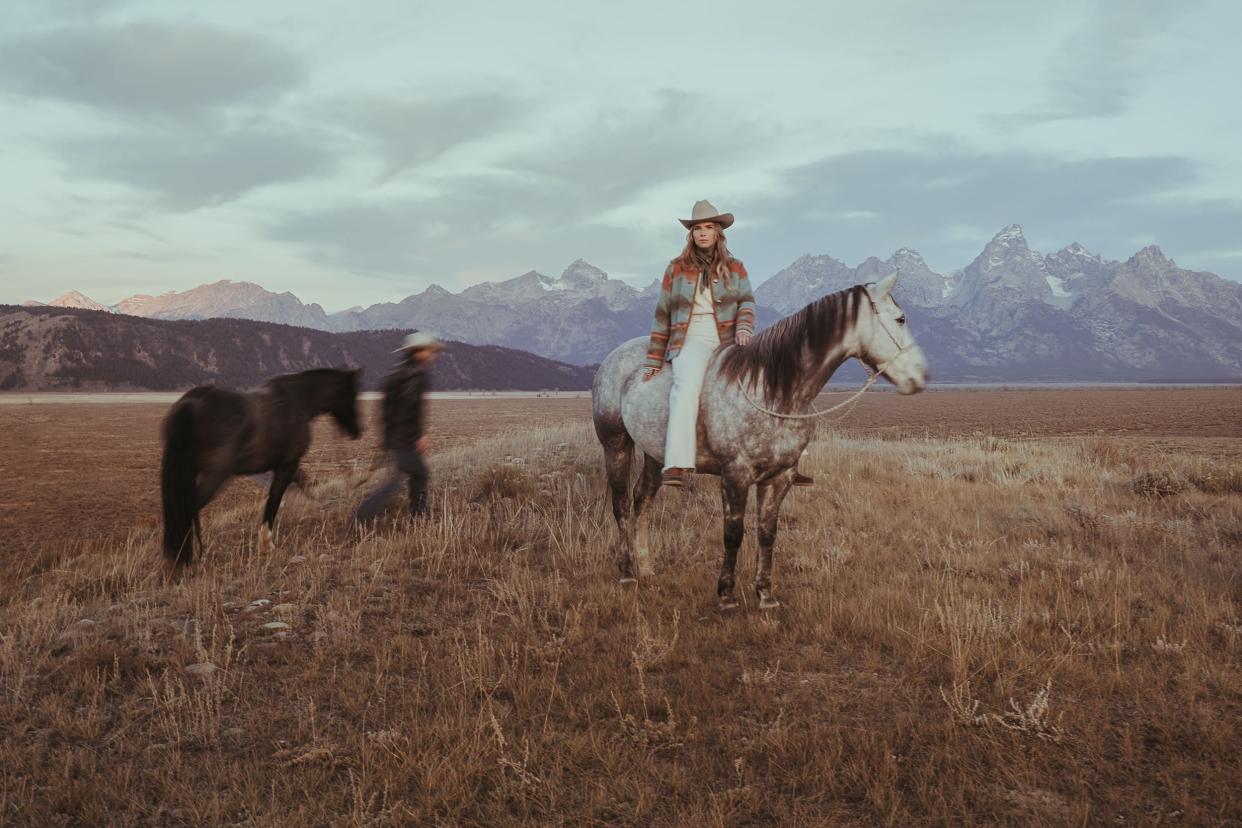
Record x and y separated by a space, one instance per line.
404 416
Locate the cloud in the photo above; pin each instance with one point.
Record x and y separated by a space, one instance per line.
1220 262
541 203
1098 69
147 68
184 169
470 217
379 236
485 223
59 9
947 202
413 131
613 155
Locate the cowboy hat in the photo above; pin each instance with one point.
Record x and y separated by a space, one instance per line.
418 340
704 211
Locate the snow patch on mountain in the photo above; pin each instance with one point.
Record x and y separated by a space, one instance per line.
1057 285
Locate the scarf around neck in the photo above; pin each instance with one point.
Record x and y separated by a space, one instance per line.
704 258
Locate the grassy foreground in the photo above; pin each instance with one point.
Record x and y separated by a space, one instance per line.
973 631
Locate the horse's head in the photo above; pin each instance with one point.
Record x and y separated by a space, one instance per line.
342 401
885 343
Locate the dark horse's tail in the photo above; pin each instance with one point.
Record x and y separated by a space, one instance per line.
179 484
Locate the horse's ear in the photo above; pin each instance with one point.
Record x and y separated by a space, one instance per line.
884 287
359 371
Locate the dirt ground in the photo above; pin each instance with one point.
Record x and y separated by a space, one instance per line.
88 473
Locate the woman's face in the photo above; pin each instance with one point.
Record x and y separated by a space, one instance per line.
704 234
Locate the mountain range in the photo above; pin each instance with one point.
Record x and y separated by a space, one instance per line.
54 348
1011 314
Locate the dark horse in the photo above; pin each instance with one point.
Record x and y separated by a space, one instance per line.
211 434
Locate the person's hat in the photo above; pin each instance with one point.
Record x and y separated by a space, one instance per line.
704 211
419 340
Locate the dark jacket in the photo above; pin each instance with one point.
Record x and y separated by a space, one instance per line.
403 404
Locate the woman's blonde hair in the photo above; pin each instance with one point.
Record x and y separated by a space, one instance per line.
720 255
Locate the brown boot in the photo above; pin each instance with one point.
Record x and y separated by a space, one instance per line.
800 479
674 477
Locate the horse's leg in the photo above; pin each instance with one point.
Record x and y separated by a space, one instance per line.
280 481
618 451
734 489
644 492
213 475
769 495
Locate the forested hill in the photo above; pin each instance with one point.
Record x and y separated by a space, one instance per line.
54 348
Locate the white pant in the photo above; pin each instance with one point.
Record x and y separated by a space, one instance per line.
689 366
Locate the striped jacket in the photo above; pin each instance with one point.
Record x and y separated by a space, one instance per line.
733 303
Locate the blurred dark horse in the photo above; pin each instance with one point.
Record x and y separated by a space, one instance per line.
211 434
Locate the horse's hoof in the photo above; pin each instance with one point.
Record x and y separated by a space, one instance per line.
728 604
767 602
626 580
266 544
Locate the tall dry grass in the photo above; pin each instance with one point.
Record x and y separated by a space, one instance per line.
973 632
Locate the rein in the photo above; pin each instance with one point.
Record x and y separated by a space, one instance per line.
872 377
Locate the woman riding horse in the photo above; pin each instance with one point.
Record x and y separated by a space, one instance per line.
705 302
756 417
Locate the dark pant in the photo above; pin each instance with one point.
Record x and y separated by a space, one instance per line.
404 462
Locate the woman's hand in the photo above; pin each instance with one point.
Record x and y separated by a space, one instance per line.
420 445
744 337
649 372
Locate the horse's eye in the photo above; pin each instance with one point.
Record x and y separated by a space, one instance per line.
901 320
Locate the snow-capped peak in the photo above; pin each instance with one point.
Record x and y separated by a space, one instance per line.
1010 232
582 272
1152 253
908 254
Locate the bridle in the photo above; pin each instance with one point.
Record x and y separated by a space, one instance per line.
902 350
873 374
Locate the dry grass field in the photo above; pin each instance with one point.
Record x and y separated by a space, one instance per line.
1013 607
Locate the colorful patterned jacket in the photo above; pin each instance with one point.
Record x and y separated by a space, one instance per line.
733 303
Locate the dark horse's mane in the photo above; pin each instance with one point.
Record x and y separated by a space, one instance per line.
777 352
304 377
309 386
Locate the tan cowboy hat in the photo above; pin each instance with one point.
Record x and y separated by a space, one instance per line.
419 340
705 211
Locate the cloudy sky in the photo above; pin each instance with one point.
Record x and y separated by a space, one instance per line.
355 152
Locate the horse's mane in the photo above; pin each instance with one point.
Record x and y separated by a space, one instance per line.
308 385
302 378
777 351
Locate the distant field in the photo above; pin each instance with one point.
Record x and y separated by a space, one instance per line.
80 473
168 397
983 622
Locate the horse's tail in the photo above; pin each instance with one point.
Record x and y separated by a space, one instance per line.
179 485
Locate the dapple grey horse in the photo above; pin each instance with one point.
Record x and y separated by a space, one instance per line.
753 424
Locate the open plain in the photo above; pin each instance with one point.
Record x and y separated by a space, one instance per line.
80 472
1000 607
